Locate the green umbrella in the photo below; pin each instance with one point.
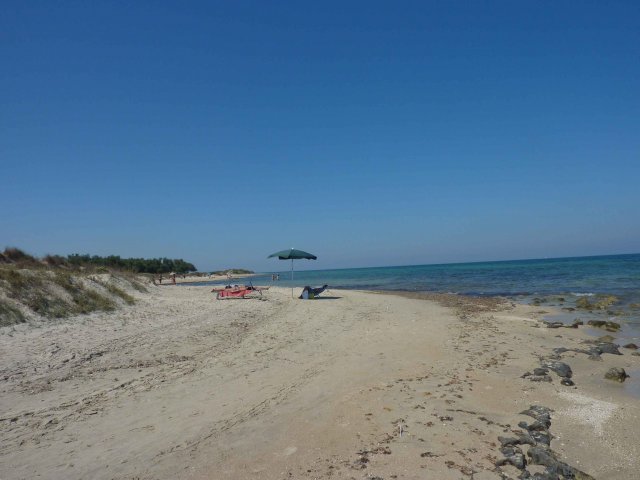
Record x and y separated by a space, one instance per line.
293 254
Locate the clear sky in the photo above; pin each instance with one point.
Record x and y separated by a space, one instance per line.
369 133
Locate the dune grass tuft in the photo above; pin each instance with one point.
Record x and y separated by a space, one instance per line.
128 299
10 315
39 291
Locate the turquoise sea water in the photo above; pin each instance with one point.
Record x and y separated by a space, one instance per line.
522 280
616 274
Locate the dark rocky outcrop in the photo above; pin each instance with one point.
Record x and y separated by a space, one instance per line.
610 348
555 468
561 368
617 374
538 438
512 456
553 324
600 302
575 324
607 325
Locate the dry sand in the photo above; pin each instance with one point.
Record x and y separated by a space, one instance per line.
355 385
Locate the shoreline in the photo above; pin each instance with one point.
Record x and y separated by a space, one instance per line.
208 278
358 384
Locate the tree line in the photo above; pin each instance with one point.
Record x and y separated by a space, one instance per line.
138 265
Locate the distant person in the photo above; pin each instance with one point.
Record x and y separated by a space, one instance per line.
160 280
173 278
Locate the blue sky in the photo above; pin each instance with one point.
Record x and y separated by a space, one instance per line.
369 133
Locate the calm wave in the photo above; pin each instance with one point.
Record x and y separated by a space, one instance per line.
520 279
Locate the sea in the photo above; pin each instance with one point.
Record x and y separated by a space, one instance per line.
557 282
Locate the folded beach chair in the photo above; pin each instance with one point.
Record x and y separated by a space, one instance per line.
310 292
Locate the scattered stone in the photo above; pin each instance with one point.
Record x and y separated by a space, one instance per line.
607 325
508 441
617 374
541 437
577 322
540 371
539 452
636 354
545 457
602 302
567 381
517 460
630 346
538 412
539 378
561 368
611 348
553 324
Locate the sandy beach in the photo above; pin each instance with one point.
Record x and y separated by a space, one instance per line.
166 279
353 385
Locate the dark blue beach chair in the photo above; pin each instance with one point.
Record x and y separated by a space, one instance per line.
310 292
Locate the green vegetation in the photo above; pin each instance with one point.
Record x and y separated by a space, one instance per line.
9 315
15 256
117 291
60 293
138 265
54 294
56 286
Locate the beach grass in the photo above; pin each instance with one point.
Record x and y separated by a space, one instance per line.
54 292
9 315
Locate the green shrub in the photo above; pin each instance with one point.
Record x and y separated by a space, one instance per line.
9 315
38 289
129 300
91 301
55 261
16 255
19 282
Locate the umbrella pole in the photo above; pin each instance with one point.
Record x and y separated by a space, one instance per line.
292 278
